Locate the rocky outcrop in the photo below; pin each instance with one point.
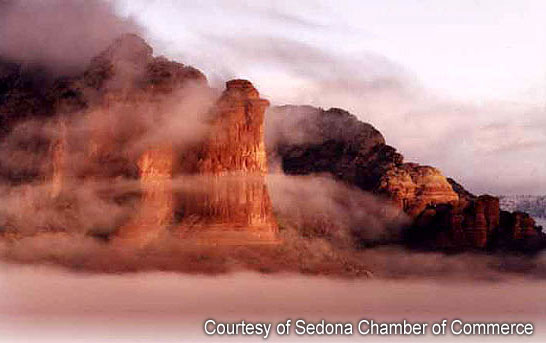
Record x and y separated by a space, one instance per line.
96 127
413 187
236 143
353 151
461 191
459 224
122 70
107 128
445 215
306 140
156 209
229 202
234 205
518 226
126 77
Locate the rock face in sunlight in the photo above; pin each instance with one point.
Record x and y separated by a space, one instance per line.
414 187
156 206
117 123
236 143
445 215
58 160
139 147
235 206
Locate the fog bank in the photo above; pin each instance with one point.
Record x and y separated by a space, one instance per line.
43 304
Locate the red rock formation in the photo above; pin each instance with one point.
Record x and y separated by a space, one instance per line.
237 143
483 219
445 214
477 220
120 96
156 207
519 225
58 161
337 142
129 64
229 201
234 206
414 187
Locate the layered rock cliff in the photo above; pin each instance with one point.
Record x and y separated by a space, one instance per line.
116 124
413 187
156 208
193 160
445 215
233 205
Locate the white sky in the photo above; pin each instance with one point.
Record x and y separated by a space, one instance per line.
466 48
476 70
470 49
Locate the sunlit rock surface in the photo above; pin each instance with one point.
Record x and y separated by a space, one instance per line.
414 187
156 210
234 205
113 125
132 123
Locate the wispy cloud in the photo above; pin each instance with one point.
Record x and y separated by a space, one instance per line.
61 35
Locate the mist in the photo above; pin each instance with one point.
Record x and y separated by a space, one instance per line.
325 225
67 276
59 35
167 307
326 228
382 68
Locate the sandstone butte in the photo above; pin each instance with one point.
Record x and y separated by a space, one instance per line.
121 92
125 88
231 205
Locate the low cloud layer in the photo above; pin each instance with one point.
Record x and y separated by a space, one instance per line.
326 229
167 307
60 35
333 219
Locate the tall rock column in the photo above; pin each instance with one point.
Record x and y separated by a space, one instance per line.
235 206
156 206
58 161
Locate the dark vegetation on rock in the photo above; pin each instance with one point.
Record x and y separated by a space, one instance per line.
445 215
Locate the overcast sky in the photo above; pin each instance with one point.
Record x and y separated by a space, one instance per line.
459 84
